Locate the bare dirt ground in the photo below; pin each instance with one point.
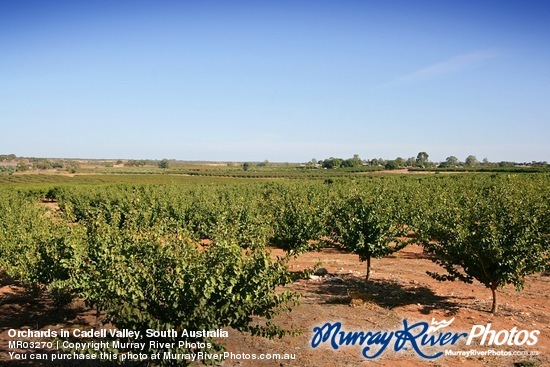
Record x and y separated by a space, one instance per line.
398 289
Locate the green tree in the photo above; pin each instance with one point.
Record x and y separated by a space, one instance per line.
355 161
332 163
471 161
57 164
496 236
422 159
150 279
165 163
72 166
391 165
298 216
452 161
246 166
7 170
22 166
42 164
7 157
366 223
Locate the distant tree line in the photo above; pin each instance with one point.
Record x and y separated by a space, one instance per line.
7 157
356 161
26 164
139 162
163 163
421 161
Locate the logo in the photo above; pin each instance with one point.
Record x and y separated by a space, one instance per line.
419 337
439 325
512 337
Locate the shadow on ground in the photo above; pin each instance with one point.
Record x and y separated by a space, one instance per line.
22 310
354 291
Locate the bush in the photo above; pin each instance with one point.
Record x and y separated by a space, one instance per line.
496 235
154 280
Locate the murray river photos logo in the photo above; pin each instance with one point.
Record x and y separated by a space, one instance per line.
419 337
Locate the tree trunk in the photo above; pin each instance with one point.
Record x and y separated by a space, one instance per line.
368 269
494 307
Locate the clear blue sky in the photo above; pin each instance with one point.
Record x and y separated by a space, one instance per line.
277 80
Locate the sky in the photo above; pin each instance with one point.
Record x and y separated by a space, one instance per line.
276 80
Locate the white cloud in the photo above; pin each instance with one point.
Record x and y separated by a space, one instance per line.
448 67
